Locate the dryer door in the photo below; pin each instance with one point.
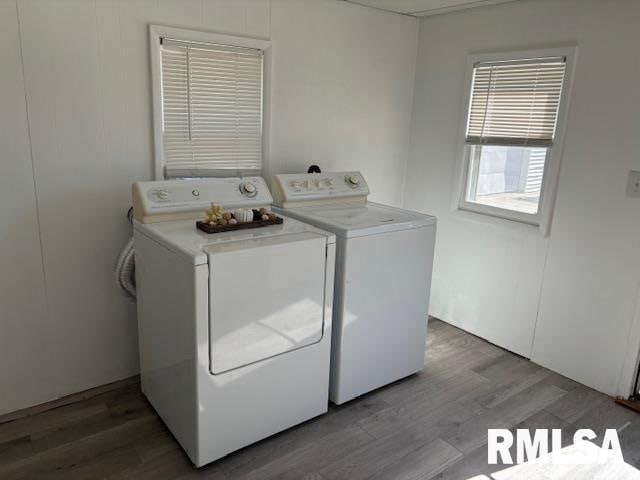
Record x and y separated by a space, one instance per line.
266 297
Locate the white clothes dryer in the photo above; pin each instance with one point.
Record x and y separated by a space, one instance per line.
234 327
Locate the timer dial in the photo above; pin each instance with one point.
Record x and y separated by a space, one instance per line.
248 189
353 180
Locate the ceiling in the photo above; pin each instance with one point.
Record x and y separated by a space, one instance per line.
421 8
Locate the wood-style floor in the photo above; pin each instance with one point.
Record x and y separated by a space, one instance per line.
430 425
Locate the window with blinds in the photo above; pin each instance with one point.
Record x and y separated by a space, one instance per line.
515 102
511 127
211 109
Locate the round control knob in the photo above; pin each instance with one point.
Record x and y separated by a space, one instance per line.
195 193
353 180
162 194
248 189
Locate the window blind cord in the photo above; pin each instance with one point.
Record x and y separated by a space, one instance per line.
486 104
235 99
533 102
189 106
125 265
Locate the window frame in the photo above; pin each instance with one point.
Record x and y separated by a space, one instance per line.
542 219
156 32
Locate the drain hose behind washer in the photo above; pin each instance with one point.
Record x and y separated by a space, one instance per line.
126 265
125 269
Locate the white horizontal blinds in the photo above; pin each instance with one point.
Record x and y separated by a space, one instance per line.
212 109
515 102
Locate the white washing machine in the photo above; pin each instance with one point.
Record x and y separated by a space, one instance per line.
384 259
234 327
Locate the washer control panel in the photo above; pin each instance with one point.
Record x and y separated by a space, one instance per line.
189 198
289 189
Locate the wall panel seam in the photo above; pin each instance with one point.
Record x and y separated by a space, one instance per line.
33 171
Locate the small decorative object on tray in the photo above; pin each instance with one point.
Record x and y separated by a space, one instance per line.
214 214
226 221
243 215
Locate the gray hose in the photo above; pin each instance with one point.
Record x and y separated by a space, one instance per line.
126 265
125 270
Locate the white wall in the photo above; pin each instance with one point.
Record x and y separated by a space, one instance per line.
345 101
575 291
24 328
342 80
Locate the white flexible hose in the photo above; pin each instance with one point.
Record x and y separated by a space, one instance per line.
125 270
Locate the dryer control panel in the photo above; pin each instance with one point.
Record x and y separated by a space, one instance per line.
290 190
175 199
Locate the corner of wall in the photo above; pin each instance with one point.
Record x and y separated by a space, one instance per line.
416 47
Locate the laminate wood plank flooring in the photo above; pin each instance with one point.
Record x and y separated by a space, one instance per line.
432 425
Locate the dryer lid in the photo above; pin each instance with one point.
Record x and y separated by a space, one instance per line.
266 298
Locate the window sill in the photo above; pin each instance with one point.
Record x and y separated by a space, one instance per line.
500 218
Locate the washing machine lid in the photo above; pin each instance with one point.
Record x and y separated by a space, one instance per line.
183 238
355 220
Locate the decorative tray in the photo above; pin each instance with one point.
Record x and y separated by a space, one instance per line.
207 228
